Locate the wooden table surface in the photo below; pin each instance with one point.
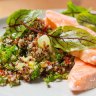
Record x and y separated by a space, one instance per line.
9 6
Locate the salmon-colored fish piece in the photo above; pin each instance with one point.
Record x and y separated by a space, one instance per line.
88 55
55 19
82 76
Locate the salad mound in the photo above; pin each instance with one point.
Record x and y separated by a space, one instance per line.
31 49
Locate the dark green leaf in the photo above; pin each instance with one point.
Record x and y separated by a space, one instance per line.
73 10
72 39
57 32
15 28
88 20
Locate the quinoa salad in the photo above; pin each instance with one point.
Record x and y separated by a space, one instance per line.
26 53
31 49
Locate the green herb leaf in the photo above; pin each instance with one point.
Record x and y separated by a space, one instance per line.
88 20
36 73
72 39
15 28
3 81
7 52
73 10
54 76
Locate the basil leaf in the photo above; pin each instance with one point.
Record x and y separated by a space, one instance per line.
72 39
15 28
88 20
73 10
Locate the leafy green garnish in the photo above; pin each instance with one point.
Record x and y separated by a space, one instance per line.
59 56
70 38
7 52
8 66
51 78
3 81
15 27
73 10
54 76
36 73
87 19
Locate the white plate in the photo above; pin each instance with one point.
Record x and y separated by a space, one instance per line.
39 88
